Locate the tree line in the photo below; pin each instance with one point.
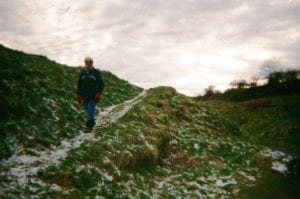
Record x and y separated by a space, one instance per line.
272 81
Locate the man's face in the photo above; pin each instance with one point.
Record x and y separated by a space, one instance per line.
88 64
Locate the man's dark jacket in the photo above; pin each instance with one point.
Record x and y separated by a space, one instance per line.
90 83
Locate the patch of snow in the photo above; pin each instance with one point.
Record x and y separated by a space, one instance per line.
107 177
274 154
248 177
201 179
280 167
105 160
221 183
160 184
23 168
212 163
194 185
149 146
280 159
173 142
287 159
125 107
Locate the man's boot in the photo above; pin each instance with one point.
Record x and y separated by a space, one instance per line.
89 126
93 123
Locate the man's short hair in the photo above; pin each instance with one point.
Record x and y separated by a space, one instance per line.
88 59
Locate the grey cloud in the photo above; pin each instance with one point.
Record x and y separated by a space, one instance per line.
12 20
144 41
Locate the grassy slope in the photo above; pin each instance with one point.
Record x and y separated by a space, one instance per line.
167 146
37 101
170 146
274 122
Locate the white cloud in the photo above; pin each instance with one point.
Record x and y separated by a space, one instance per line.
188 44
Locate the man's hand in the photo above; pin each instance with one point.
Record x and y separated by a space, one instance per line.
97 97
78 98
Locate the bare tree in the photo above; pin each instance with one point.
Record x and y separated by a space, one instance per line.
210 91
270 66
254 81
239 84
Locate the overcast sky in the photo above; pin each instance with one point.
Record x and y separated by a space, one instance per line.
187 44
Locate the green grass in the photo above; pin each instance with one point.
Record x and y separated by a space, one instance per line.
273 122
37 101
167 135
167 146
171 146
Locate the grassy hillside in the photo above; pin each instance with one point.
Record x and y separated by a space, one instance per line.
37 101
273 122
167 146
158 144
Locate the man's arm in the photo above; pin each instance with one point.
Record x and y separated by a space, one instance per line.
100 82
79 84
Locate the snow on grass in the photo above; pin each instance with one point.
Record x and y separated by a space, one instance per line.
248 177
279 158
119 111
21 169
280 167
221 183
274 154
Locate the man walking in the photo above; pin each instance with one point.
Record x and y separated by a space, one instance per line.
89 89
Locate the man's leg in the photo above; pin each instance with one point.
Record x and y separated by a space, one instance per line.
91 104
85 103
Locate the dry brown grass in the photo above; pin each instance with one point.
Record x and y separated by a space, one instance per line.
257 103
62 179
183 113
